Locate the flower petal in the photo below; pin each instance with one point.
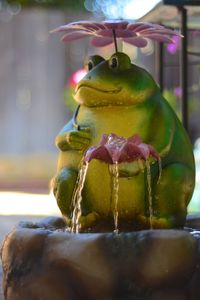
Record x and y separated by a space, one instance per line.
135 139
133 26
85 25
116 24
136 41
161 31
70 28
105 33
115 152
144 27
159 38
74 36
119 33
154 153
100 153
124 33
144 149
132 152
104 139
101 41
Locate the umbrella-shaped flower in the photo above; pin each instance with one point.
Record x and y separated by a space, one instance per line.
104 33
116 149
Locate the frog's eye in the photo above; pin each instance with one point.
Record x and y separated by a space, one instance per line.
119 61
90 65
113 62
94 61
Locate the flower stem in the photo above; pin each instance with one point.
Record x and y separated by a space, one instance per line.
115 40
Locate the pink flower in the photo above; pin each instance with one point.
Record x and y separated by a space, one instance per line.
102 34
113 148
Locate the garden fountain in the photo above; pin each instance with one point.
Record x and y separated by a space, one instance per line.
114 150
125 177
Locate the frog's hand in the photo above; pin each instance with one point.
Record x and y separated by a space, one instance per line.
74 139
163 128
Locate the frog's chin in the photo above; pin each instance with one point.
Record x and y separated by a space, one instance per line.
94 96
89 87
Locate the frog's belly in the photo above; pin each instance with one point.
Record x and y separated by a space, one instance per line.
123 121
99 188
132 192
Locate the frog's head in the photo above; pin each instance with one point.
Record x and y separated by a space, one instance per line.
114 82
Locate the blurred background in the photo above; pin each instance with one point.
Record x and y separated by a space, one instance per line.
37 77
38 74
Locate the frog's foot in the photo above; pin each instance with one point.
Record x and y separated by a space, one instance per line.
74 140
171 196
63 187
145 222
86 222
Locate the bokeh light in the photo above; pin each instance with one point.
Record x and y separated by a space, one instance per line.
76 77
117 9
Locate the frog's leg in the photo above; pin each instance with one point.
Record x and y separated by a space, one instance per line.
171 196
63 188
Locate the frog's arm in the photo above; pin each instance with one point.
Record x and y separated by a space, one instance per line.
71 138
163 125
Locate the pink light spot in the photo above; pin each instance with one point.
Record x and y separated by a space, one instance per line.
76 77
174 46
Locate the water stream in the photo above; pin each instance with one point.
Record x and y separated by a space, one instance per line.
115 194
77 197
148 167
159 169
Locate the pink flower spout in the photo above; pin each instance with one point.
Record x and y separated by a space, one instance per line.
117 149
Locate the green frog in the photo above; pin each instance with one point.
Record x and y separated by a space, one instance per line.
116 96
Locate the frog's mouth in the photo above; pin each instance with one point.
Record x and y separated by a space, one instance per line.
107 91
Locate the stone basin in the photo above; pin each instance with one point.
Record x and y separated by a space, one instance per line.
44 261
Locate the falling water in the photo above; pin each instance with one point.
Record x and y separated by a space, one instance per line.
149 193
77 197
159 170
115 195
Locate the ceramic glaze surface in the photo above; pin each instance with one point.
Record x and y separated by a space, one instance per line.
119 97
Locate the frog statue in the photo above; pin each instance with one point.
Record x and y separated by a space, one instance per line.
116 96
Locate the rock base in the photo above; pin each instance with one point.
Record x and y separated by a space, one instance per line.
44 262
